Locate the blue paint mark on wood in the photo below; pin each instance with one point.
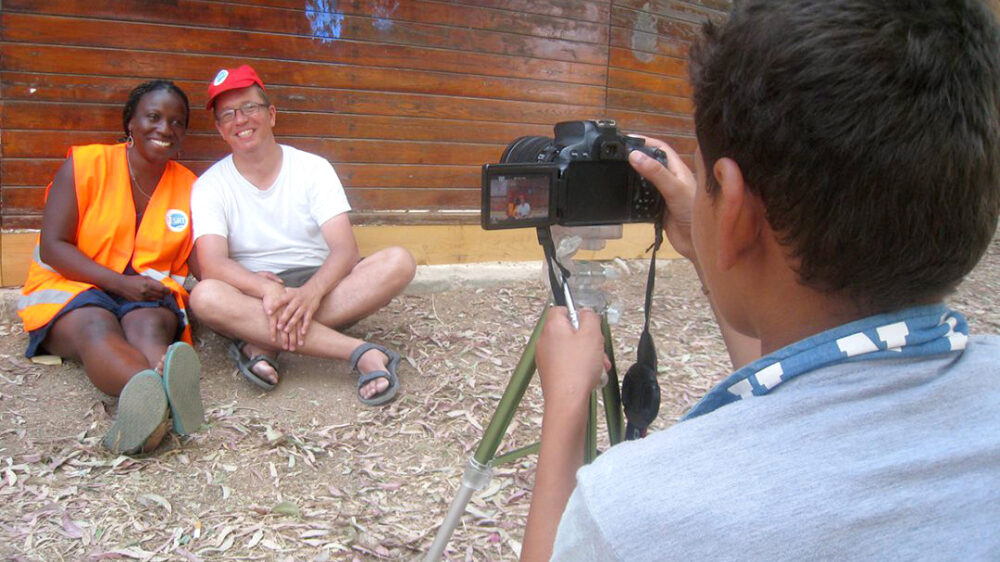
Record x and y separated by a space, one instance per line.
324 19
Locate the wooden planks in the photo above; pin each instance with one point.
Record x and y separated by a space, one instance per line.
407 98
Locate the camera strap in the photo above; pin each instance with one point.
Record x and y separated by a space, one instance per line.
640 387
640 390
545 240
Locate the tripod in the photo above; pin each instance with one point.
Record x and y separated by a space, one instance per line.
479 470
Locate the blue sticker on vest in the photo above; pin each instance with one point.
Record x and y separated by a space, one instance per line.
177 220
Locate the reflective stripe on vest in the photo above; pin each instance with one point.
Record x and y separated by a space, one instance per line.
45 296
161 275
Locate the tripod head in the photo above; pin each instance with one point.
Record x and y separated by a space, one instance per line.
640 390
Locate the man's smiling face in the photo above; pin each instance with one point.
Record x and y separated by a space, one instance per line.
243 119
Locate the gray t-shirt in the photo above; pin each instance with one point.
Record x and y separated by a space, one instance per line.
873 460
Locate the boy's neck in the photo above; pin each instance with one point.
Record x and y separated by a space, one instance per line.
794 314
776 307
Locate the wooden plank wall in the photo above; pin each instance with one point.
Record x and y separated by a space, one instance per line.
407 98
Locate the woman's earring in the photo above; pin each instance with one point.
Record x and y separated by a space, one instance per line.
130 142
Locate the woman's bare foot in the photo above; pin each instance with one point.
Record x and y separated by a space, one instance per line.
154 440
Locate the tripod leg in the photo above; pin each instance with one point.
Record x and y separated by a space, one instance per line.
475 477
590 437
477 473
611 391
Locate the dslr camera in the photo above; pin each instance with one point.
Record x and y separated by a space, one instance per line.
580 178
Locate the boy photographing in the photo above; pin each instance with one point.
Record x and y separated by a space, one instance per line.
848 178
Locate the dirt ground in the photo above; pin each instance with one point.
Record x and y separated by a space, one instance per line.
307 473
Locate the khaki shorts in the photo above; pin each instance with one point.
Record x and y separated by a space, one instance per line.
298 276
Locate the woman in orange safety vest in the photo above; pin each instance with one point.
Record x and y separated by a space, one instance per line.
106 283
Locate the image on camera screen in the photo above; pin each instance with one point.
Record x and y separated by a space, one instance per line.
519 199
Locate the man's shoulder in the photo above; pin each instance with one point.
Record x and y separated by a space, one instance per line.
216 173
301 156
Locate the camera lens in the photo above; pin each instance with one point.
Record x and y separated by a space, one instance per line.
527 150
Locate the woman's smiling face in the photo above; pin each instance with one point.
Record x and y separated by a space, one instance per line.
158 125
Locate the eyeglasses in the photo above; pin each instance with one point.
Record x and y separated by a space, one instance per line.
248 109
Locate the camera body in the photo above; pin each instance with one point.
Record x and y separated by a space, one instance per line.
581 177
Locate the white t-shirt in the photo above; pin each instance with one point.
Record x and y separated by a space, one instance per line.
523 210
277 228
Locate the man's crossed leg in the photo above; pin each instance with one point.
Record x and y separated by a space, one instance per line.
369 286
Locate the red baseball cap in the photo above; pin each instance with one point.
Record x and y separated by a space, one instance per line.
232 79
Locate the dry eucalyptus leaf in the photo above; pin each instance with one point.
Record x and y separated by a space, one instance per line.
286 508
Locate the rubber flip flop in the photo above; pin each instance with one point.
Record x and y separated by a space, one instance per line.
142 407
182 382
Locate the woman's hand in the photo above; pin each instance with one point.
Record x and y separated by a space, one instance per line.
140 288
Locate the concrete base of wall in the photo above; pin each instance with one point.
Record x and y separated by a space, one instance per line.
429 244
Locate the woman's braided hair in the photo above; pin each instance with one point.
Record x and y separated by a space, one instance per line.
145 88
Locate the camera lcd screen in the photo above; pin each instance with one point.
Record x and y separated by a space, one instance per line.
600 193
516 196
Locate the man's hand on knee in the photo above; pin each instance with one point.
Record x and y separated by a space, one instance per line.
274 301
299 310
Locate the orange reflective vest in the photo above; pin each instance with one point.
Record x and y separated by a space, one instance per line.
106 233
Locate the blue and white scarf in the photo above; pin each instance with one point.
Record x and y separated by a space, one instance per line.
914 332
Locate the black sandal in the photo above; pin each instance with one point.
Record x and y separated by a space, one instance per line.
389 374
246 364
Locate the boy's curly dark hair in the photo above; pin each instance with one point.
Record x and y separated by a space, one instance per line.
869 128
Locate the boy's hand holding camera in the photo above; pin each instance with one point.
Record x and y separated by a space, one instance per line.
566 359
676 183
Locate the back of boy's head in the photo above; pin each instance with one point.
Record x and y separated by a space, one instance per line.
869 128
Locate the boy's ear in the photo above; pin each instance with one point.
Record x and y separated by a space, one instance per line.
739 214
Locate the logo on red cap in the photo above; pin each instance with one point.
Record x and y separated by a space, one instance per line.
220 77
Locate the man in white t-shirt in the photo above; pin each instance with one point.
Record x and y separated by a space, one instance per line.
282 268
523 209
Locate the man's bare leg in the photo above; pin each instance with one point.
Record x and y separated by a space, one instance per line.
227 310
370 286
